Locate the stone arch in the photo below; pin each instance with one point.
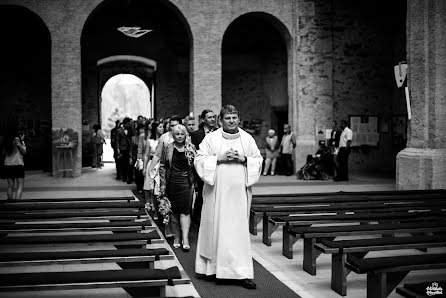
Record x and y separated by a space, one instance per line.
25 80
261 74
169 44
141 67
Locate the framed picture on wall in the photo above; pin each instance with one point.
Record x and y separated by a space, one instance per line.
399 130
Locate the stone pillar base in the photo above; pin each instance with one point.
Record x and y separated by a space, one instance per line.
421 169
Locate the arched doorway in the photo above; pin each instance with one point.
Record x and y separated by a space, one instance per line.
25 81
123 95
168 44
255 72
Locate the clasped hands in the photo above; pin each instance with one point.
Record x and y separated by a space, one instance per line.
231 155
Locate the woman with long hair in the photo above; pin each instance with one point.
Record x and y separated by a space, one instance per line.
177 183
14 149
151 180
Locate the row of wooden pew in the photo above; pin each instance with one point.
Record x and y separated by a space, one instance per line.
395 219
84 231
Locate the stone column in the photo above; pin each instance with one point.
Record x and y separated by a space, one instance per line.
65 26
422 165
314 105
206 74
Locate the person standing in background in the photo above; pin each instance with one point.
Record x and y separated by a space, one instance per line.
113 145
206 126
123 140
344 151
286 149
13 150
189 122
98 141
272 152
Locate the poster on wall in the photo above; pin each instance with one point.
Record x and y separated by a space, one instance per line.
365 130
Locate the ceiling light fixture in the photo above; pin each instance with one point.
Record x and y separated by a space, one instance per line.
134 32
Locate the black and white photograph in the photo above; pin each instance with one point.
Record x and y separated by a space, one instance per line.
222 148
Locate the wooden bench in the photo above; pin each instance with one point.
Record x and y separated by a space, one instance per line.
421 289
272 198
92 199
287 203
118 239
384 274
311 235
69 205
270 226
359 248
130 225
84 257
157 279
82 214
307 220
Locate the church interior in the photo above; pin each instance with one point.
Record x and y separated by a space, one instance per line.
379 65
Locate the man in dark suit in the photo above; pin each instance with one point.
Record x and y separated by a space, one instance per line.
206 126
123 141
333 143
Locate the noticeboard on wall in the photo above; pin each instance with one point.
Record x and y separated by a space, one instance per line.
365 130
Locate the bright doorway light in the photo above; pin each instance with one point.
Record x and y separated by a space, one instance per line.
124 95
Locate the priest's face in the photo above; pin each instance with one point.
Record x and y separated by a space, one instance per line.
230 123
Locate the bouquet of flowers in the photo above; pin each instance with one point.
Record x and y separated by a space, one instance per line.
164 208
139 164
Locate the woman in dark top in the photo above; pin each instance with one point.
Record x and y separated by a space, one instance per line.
177 181
13 166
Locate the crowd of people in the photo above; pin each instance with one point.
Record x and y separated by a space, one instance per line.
175 165
204 176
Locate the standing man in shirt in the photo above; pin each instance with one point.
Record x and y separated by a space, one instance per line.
344 151
206 126
286 149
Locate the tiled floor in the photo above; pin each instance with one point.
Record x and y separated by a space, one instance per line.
99 183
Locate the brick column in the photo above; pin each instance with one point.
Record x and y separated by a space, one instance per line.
422 165
206 74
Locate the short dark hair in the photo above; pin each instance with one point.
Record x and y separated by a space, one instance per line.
175 118
344 122
203 114
126 120
229 109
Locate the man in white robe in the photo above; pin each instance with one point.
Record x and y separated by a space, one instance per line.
229 162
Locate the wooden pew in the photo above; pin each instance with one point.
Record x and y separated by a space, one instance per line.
6 207
271 198
289 239
92 199
311 235
157 279
270 226
265 204
130 225
114 239
84 257
359 248
384 274
83 214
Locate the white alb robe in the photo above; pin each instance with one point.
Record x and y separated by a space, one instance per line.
224 247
